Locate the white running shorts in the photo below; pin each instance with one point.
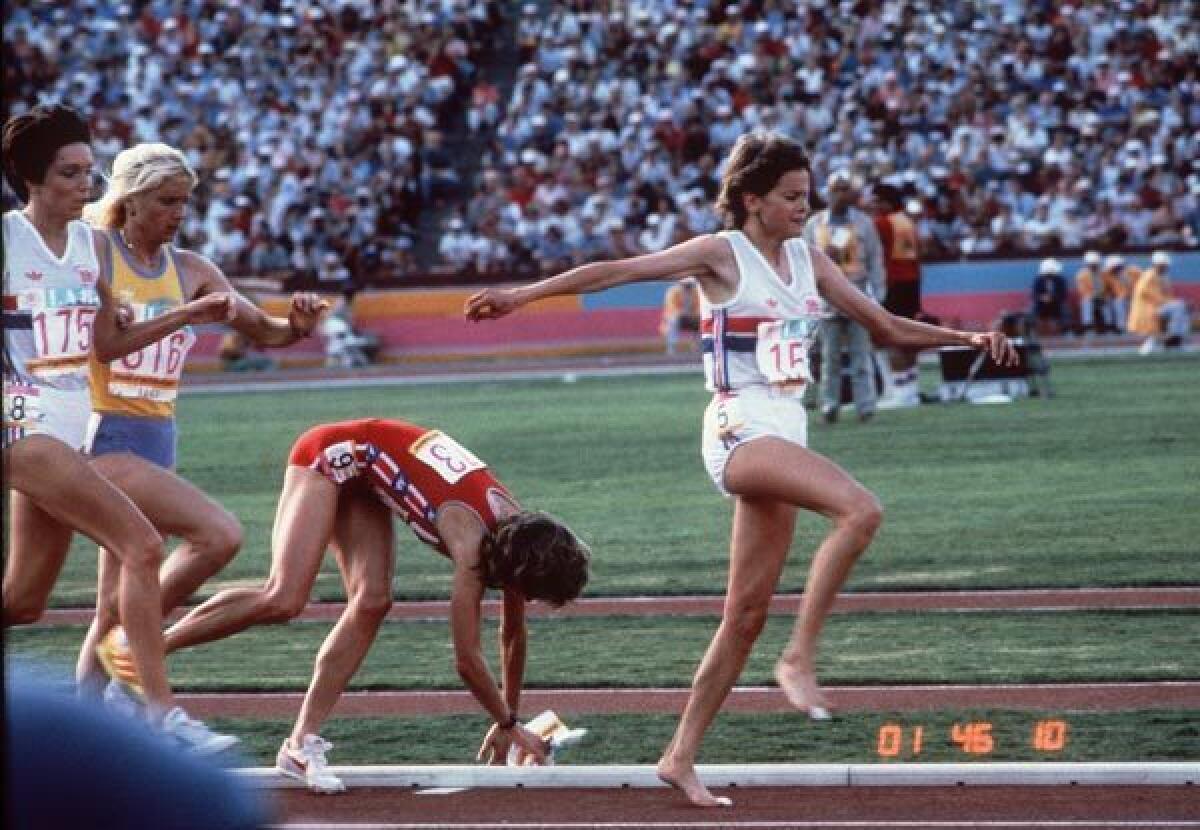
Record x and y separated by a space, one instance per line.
733 418
32 409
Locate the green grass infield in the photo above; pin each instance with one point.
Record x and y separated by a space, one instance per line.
1095 487
875 737
629 652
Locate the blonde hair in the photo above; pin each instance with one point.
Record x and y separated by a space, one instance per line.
139 169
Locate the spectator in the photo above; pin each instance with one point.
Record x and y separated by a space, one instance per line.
1115 285
1156 311
1091 298
902 265
680 325
1049 298
848 237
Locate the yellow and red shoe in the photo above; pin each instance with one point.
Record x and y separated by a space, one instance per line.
117 660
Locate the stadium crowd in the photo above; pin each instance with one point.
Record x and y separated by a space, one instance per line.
317 128
320 128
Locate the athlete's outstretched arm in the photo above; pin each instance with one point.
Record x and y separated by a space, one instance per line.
890 330
203 278
690 258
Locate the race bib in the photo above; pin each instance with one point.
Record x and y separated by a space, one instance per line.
340 461
62 320
782 351
724 420
153 372
448 458
22 409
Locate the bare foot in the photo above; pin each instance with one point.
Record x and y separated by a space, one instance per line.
683 778
801 689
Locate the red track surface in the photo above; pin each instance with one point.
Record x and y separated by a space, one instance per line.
1085 808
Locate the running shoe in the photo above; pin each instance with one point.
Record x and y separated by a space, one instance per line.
193 734
308 765
117 660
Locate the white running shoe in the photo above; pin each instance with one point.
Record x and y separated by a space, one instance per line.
308 764
194 734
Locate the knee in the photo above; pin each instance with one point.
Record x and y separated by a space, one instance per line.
221 539
864 516
372 605
279 607
22 610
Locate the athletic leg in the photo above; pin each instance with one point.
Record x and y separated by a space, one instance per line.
62 483
37 548
362 542
304 524
211 538
778 469
762 535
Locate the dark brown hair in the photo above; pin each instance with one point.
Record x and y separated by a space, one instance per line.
33 138
756 163
538 555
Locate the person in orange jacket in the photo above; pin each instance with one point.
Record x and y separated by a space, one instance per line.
1156 311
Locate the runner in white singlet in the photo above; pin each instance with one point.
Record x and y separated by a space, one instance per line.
754 435
50 306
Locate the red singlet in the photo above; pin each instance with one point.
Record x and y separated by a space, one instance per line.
413 470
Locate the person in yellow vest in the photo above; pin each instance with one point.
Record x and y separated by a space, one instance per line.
681 314
131 435
1086 282
1115 286
1156 311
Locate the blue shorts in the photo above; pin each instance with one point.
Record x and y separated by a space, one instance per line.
150 438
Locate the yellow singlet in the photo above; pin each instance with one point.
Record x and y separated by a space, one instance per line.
146 382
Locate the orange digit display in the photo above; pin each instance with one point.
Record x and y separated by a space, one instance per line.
974 738
890 741
1049 735
891 737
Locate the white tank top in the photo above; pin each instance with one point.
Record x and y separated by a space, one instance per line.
762 335
49 305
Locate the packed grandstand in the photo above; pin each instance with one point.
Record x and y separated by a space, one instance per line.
358 142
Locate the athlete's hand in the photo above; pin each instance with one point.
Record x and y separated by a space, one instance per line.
219 307
305 312
491 303
1002 352
495 746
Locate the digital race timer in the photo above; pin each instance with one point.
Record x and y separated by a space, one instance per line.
896 741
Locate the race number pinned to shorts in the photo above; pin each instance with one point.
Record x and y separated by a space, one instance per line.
782 350
724 420
340 461
450 459
22 409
